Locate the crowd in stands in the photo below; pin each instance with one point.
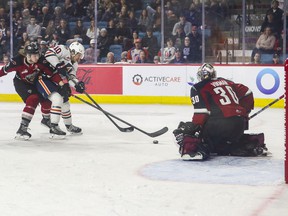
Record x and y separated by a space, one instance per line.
127 31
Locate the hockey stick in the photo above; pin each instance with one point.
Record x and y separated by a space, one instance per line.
128 129
153 134
267 106
122 129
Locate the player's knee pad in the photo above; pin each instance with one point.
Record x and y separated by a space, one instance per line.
256 139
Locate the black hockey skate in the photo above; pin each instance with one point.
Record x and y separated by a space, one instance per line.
74 129
56 132
22 133
46 122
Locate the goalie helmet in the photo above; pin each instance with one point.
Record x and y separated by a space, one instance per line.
206 71
76 48
32 48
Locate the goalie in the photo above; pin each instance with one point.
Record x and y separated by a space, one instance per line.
221 109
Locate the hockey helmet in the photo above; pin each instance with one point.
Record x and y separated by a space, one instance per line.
76 48
32 48
206 71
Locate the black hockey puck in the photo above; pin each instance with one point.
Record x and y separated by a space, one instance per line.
155 141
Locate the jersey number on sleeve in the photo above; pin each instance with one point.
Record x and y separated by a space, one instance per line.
225 92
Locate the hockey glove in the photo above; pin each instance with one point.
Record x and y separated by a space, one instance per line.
80 87
63 69
65 90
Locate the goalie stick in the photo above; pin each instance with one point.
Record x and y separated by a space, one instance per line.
267 106
153 134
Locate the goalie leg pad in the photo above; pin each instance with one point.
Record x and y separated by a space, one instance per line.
250 145
193 149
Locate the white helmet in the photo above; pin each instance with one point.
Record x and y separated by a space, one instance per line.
206 71
76 48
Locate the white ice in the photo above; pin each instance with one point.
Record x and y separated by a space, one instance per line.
106 172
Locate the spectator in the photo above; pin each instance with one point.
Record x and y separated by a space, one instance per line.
187 51
58 16
278 47
80 11
63 31
123 58
179 37
3 27
256 58
109 12
81 30
193 15
33 29
123 14
103 42
55 40
178 57
45 16
49 30
142 57
132 22
265 43
144 21
134 52
19 28
68 9
276 59
277 12
3 44
271 23
195 44
156 17
5 59
24 39
90 33
170 21
156 60
110 58
169 51
150 43
89 56
111 30
182 23
43 47
26 17
123 34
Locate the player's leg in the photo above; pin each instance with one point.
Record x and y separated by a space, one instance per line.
30 97
67 119
49 90
45 110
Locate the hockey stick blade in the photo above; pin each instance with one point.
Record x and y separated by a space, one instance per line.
122 129
129 129
153 134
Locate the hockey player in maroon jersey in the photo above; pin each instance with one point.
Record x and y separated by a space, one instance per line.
28 69
221 109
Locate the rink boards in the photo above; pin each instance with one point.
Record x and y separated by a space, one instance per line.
163 84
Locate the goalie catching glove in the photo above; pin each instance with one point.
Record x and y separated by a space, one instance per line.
80 87
64 69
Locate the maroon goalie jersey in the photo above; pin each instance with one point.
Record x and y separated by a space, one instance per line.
29 72
220 98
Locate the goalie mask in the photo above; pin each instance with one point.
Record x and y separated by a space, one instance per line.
206 71
76 48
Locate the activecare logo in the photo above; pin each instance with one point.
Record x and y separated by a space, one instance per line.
155 80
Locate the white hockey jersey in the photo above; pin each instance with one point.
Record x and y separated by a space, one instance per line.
58 54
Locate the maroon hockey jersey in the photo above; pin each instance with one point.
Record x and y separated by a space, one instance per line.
221 98
29 72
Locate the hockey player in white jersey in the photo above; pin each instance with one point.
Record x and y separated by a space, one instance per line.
65 61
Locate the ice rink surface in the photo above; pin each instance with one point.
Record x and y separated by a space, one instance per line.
105 172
